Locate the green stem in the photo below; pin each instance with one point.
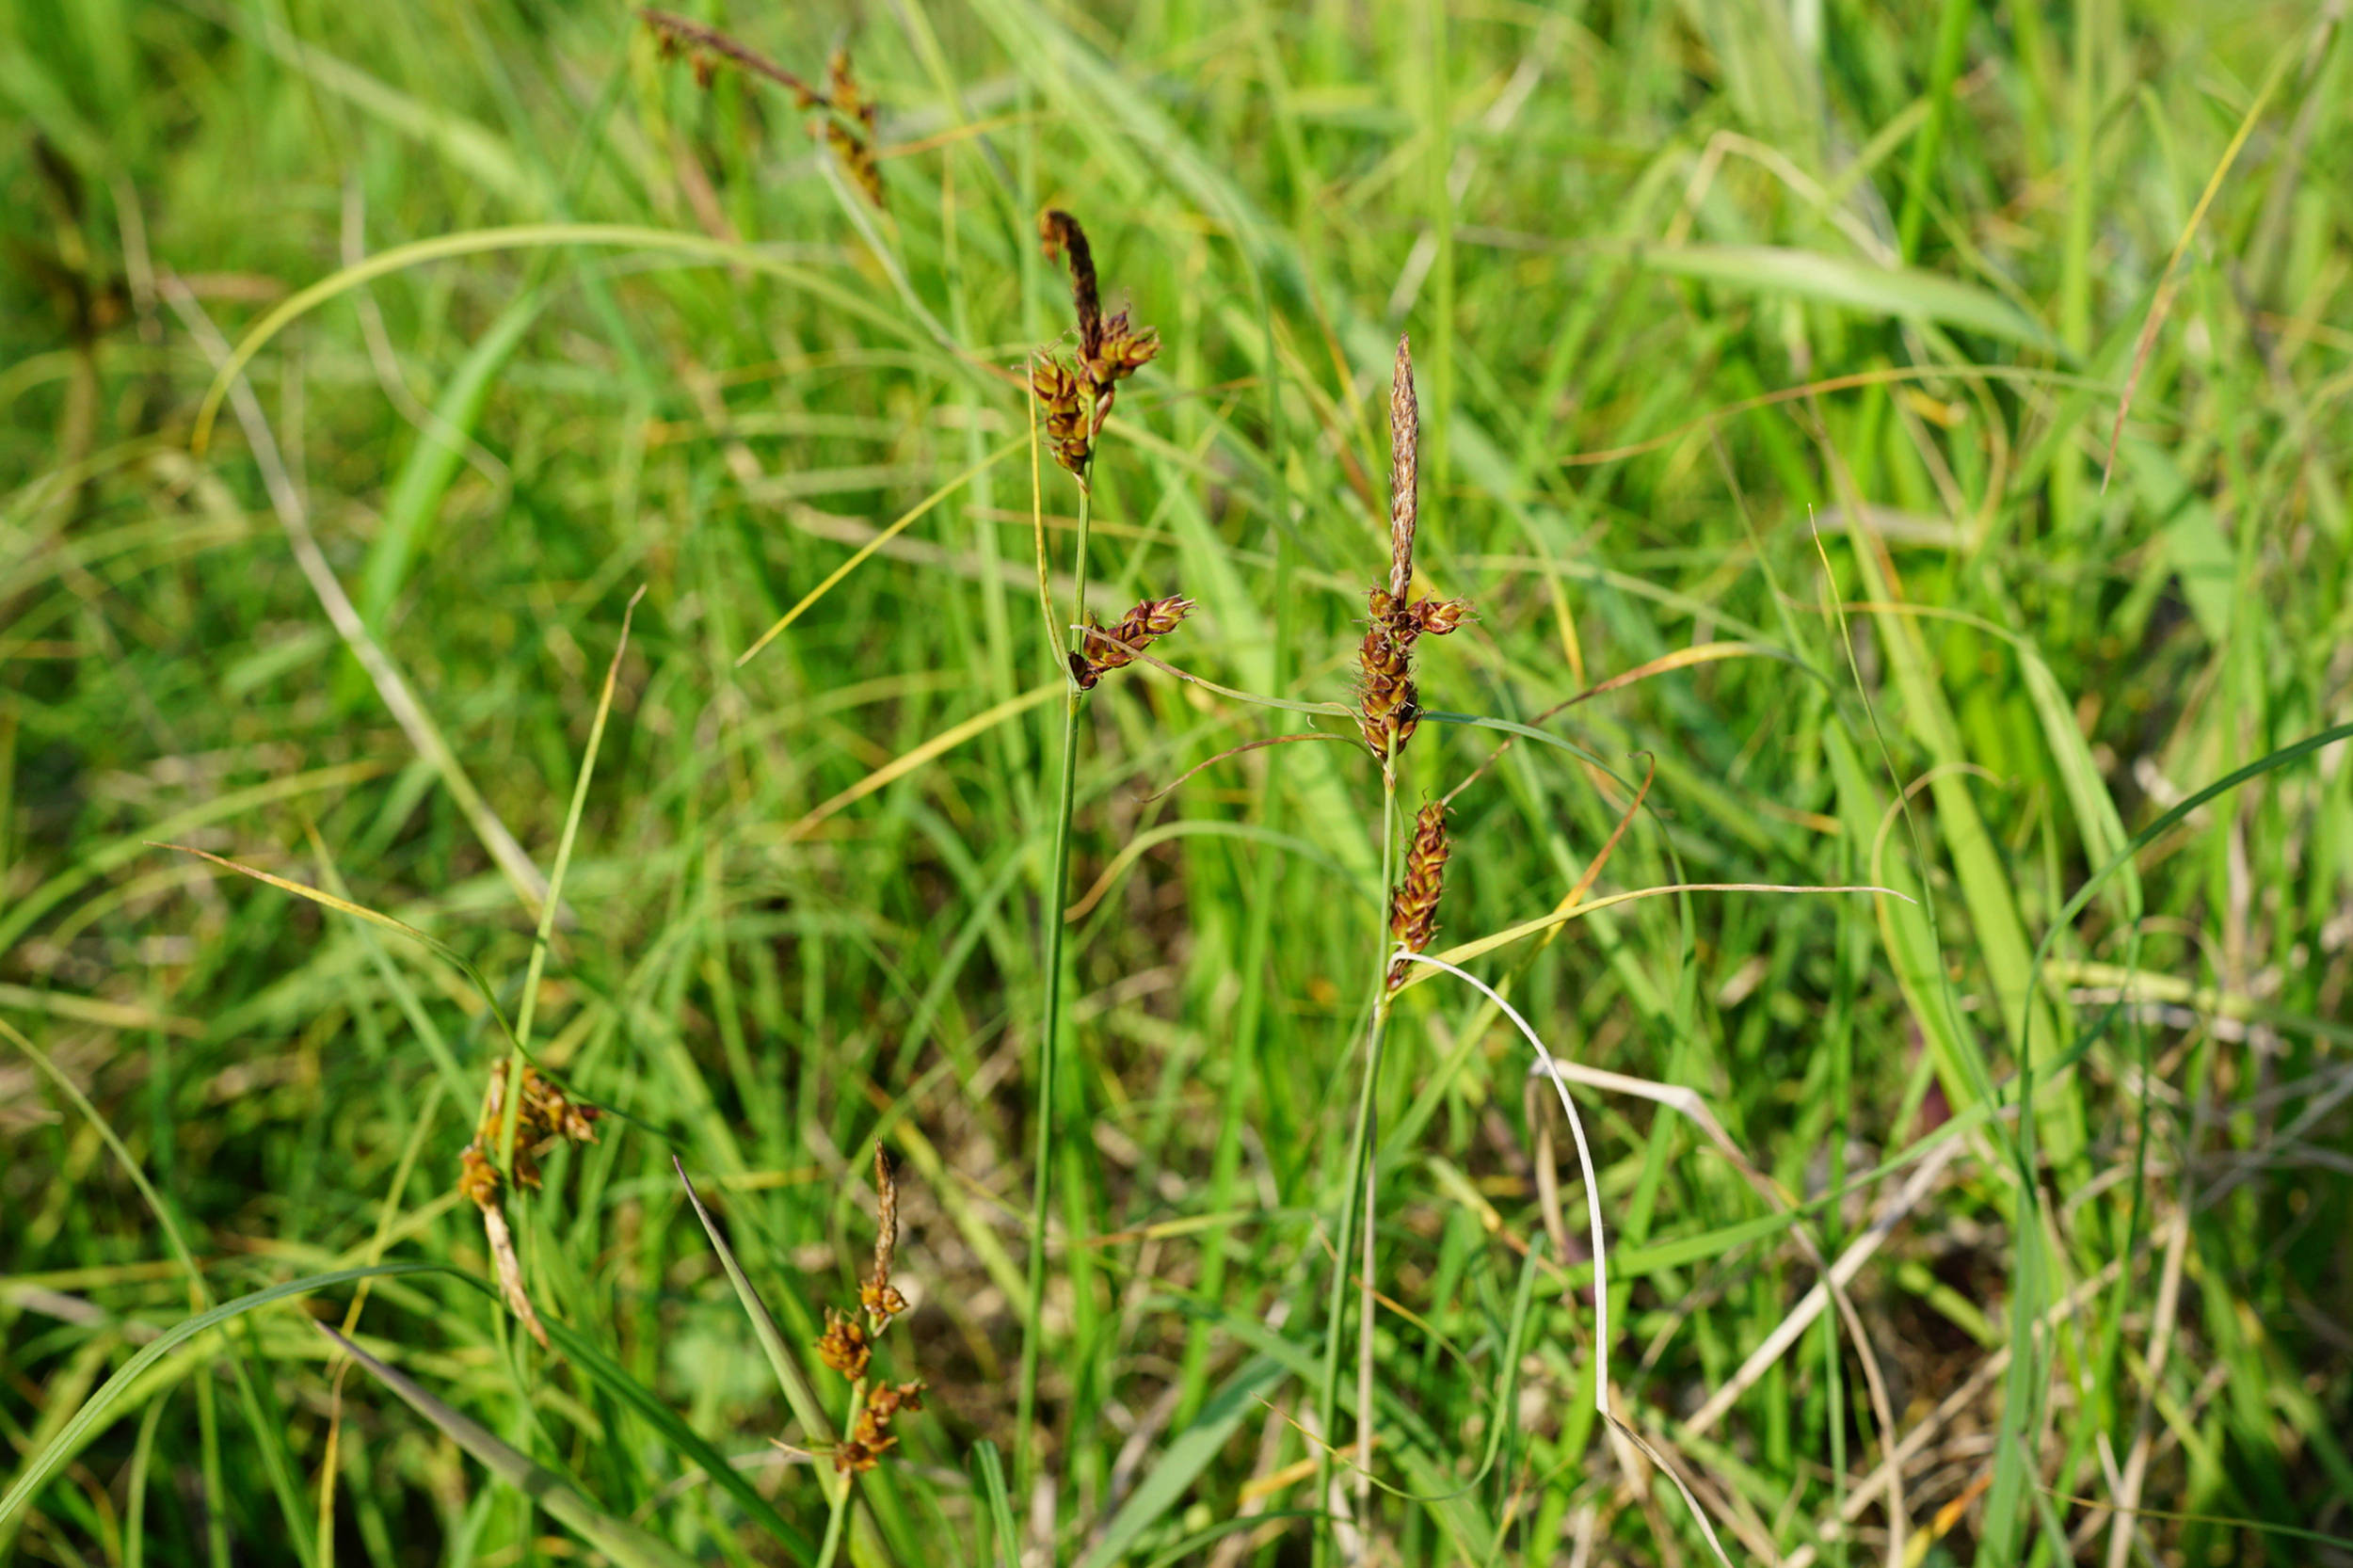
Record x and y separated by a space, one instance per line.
1050 1033
1360 1159
838 1508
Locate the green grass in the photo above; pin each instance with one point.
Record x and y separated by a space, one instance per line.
1777 346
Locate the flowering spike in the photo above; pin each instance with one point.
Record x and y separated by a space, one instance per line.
1413 908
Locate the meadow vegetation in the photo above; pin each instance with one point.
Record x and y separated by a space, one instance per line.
708 850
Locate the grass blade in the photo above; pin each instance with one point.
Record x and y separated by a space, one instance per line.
625 1544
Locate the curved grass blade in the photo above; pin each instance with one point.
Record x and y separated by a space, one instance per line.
797 1392
358 911
608 1374
526 237
1185 1459
76 1433
625 1544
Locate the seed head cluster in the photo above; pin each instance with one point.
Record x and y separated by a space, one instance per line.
1390 705
847 1346
1109 650
544 1117
1414 907
853 149
1078 396
847 122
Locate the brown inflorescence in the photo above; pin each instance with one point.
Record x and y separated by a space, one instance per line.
854 149
1389 706
844 1345
1414 907
1078 398
1110 649
847 1345
1061 236
870 1437
1069 430
848 125
881 1298
544 1116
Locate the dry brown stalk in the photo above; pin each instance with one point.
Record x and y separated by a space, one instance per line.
1413 908
1136 631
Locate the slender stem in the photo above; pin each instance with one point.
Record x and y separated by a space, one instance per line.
839 1510
1372 1170
1049 1029
1359 1148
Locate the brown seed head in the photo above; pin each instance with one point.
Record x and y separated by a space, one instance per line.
477 1177
853 149
1068 429
1060 232
844 1346
1389 708
544 1116
1437 617
887 1401
1404 468
1125 348
1110 651
1414 909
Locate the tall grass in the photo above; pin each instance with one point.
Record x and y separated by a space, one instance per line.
1883 450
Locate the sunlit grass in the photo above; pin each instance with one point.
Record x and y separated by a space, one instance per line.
1874 758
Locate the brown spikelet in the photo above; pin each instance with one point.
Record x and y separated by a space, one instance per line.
847 126
1435 617
1404 471
1413 908
1068 429
1062 234
1118 647
844 1345
545 1116
1389 707
881 1298
853 149
1125 349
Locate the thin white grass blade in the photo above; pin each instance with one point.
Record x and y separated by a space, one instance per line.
1601 1265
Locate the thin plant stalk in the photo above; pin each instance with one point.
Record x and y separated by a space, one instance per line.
838 1508
1371 1114
1359 1159
1050 1033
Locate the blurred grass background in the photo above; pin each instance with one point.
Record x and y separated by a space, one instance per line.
804 906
